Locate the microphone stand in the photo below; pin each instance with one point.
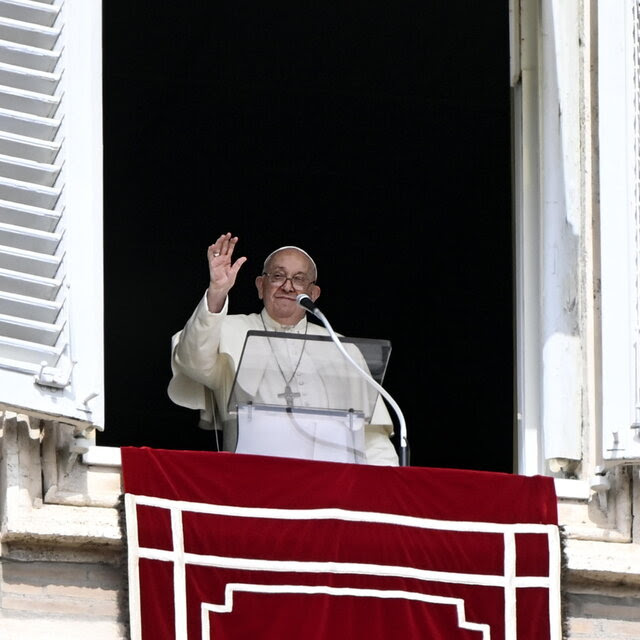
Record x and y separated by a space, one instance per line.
306 302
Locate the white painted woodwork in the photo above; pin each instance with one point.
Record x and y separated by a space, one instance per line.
51 342
619 220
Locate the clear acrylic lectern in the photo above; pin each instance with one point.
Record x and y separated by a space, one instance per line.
297 396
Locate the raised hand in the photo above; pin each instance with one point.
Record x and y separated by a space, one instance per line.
222 272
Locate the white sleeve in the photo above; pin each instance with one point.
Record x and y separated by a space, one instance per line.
195 348
194 358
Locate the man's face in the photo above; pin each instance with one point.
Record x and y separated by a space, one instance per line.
280 298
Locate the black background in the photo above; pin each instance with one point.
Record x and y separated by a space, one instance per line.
376 136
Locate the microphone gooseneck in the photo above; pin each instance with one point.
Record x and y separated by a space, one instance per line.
307 303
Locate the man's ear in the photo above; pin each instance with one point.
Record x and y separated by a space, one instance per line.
314 292
259 286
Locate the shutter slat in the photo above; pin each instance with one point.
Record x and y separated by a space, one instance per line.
38 104
28 193
29 11
21 55
29 285
26 216
37 264
28 171
12 144
24 124
29 79
16 352
29 34
29 330
29 239
27 307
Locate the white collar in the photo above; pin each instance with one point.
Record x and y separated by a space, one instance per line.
272 325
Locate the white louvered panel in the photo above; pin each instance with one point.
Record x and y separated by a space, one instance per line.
32 217
28 148
18 354
31 296
29 34
29 284
30 262
29 11
51 208
37 104
29 57
27 171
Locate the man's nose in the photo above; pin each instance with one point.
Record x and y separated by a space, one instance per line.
287 285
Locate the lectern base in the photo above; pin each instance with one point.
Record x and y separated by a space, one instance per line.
290 432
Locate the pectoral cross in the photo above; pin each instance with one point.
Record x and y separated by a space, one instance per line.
288 395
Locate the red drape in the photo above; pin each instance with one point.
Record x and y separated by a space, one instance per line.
236 546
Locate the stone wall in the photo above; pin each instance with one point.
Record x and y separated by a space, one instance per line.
61 600
62 568
603 613
602 582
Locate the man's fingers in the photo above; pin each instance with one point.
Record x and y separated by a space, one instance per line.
223 246
219 256
228 244
237 264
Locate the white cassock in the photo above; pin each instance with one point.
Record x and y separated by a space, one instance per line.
205 355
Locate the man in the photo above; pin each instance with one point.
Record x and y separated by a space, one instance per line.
205 354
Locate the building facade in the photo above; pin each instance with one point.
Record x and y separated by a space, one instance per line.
576 126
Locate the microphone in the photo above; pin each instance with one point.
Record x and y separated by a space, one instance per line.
306 303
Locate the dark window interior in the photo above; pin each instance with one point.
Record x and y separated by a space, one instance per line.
374 134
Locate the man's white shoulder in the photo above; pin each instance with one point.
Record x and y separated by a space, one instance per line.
317 330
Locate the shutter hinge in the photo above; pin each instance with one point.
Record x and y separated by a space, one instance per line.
600 485
616 444
52 377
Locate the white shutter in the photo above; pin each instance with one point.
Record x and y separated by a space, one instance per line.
619 93
50 208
